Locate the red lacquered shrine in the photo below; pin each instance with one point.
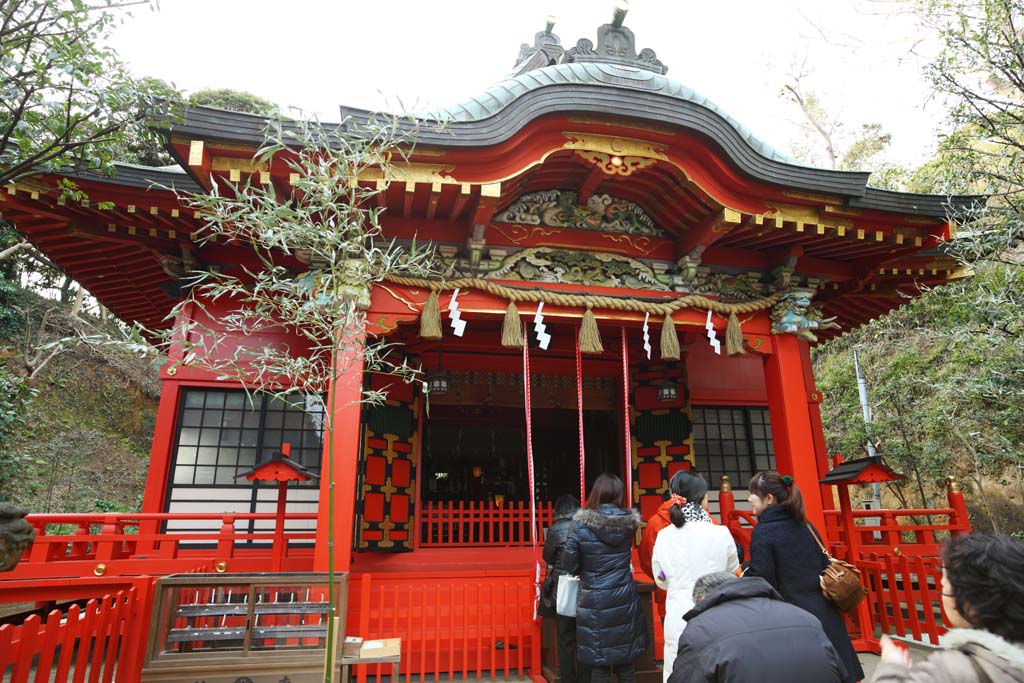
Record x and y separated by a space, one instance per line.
586 180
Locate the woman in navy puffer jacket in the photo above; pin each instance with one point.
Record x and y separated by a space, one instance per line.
610 628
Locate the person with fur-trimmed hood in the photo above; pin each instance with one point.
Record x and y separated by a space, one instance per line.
610 629
983 599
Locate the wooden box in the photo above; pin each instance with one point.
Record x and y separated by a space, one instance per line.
247 628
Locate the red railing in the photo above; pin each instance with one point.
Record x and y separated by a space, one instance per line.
905 595
448 524
71 545
455 624
889 530
102 640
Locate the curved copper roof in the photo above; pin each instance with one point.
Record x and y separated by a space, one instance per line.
496 98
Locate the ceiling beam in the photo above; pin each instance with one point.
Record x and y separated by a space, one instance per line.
589 184
709 231
460 202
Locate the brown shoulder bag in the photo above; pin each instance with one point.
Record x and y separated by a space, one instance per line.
840 582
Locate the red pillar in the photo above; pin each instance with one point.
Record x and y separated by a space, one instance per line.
346 396
793 427
160 452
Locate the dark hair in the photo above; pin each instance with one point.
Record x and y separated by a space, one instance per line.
770 481
987 576
606 489
710 582
690 486
565 505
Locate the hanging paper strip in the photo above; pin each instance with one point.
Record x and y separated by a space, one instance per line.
543 338
579 404
530 478
647 335
713 336
458 324
625 421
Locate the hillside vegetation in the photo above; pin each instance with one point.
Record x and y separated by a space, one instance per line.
945 377
76 438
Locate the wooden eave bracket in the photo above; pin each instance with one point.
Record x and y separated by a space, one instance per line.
708 232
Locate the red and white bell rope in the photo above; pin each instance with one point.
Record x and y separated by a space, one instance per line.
530 477
625 421
579 405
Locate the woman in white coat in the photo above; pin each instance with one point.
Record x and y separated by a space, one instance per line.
686 550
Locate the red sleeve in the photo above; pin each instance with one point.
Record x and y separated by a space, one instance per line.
646 551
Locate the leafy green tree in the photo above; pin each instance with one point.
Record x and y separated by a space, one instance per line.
326 221
65 98
980 71
233 100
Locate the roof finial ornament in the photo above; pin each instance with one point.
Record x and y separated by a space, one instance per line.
615 45
546 50
619 11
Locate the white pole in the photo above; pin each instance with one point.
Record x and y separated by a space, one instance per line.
862 391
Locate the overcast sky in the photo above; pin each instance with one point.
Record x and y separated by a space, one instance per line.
413 54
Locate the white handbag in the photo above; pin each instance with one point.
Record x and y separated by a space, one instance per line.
565 596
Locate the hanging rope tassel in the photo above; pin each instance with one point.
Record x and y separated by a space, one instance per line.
430 318
669 339
734 336
512 328
590 336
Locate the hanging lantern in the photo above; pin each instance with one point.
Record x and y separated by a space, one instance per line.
477 471
668 392
437 383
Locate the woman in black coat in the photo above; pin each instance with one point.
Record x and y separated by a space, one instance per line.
783 552
610 628
554 545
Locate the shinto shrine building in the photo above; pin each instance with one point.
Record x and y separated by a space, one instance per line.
588 181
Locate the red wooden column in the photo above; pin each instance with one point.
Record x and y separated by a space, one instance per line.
347 395
794 427
157 478
160 452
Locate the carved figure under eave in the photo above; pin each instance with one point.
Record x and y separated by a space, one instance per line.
561 209
795 314
542 264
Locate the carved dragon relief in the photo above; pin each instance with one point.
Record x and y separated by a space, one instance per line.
542 264
795 313
561 209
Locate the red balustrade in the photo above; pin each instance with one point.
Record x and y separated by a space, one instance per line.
480 524
905 595
76 545
100 642
453 624
911 532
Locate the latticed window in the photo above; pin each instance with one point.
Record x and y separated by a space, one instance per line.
221 434
733 440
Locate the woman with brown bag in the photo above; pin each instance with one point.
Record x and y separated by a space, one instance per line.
784 551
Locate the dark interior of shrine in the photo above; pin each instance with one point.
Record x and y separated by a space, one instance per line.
476 452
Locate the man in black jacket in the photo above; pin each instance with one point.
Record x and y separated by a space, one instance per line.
742 631
554 543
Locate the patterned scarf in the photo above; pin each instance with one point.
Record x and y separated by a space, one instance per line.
693 512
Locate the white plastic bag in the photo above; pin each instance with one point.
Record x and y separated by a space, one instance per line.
565 597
